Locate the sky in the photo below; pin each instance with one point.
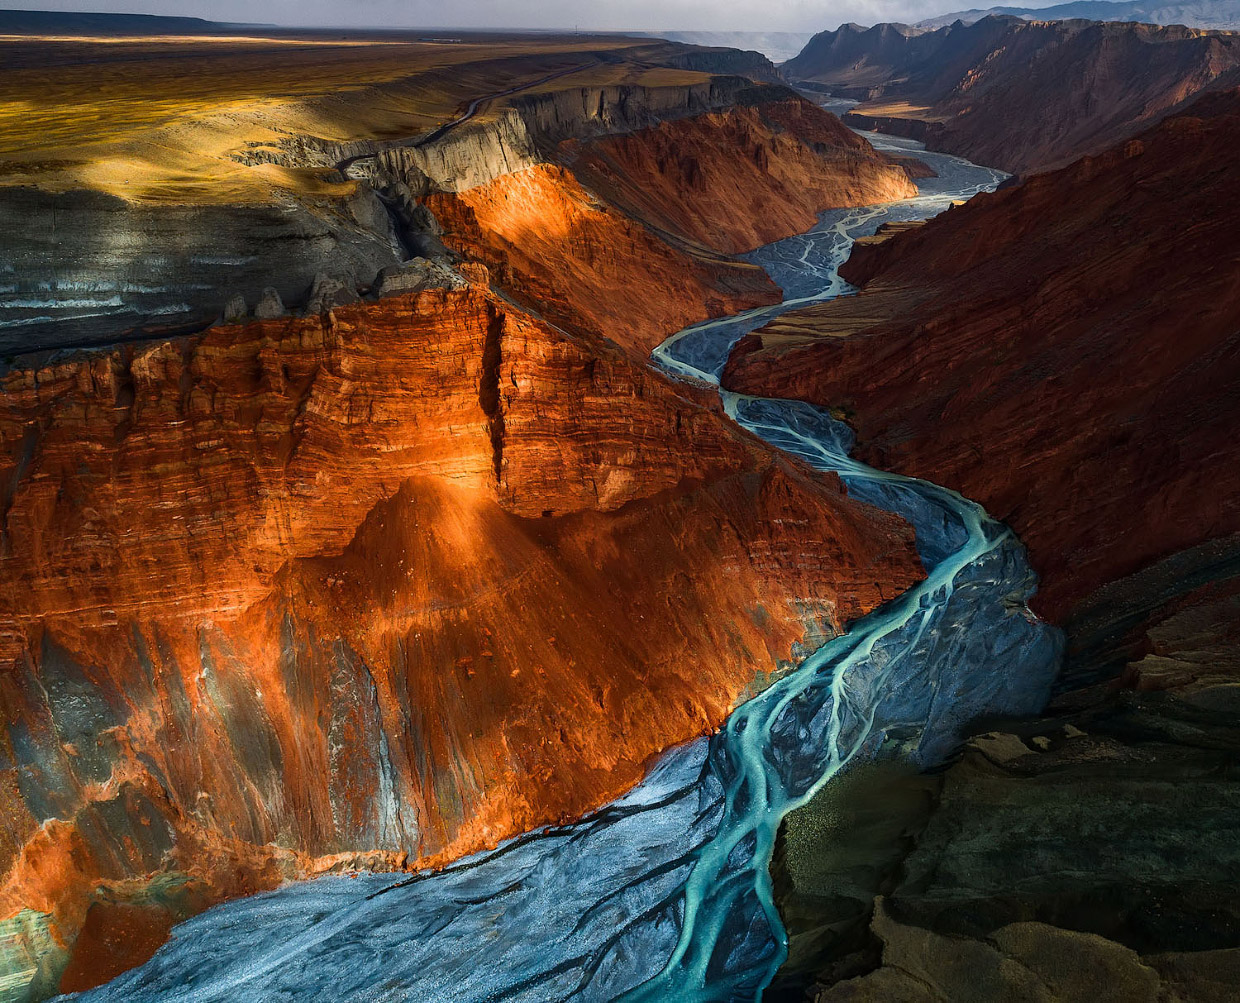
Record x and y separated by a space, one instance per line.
611 15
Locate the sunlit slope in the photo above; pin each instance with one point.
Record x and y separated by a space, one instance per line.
172 118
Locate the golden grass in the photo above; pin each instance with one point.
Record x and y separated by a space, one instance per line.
160 119
608 74
898 109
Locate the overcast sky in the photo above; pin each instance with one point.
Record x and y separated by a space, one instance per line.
706 15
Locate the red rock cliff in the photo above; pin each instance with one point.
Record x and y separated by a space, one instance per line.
382 588
629 240
1065 351
580 261
738 179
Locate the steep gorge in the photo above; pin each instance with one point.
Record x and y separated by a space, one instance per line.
412 550
1056 350
660 210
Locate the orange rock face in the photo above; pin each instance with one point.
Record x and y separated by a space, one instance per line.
1065 351
739 179
578 260
655 211
373 589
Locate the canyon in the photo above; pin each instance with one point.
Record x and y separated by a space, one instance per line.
1080 386
574 497
662 209
1026 96
346 616
410 551
1065 351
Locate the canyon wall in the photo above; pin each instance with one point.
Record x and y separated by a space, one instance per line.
1064 351
553 243
89 267
661 210
372 588
1024 96
737 179
406 555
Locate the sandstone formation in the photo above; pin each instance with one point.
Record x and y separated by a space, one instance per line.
579 260
741 178
1064 351
1021 95
372 587
653 209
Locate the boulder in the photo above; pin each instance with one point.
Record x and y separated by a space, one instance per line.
414 276
269 305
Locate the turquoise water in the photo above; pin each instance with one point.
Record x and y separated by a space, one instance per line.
665 894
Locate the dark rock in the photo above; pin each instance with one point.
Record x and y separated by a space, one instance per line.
328 292
269 305
1089 855
416 275
235 310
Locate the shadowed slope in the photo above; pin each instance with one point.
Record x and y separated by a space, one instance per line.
1065 351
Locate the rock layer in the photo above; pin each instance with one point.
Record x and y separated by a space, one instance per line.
1064 351
740 178
372 588
579 260
656 209
1021 95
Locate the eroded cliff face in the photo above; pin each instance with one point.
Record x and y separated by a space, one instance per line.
145 190
524 132
376 587
588 265
1064 351
1021 95
657 210
741 178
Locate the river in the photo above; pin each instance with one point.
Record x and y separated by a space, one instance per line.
665 894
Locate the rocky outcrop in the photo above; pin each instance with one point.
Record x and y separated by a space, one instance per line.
1021 95
372 587
86 268
1064 351
528 127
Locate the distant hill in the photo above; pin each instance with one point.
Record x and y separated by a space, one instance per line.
1217 14
51 22
1021 95
777 46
